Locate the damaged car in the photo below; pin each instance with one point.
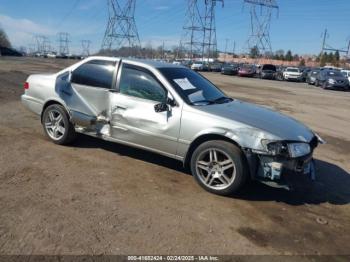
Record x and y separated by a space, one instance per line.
173 111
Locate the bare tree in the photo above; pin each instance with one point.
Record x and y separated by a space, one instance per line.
4 41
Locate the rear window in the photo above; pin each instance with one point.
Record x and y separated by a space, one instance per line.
95 73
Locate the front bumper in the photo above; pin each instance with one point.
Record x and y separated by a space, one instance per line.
274 168
341 86
292 77
267 76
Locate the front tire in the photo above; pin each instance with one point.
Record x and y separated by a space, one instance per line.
57 126
219 167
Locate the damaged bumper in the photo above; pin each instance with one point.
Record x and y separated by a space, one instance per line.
276 168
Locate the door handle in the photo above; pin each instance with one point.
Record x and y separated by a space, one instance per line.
118 107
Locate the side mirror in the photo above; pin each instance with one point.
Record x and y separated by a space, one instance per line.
165 106
161 107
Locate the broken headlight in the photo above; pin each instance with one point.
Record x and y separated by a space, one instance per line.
282 148
276 148
298 149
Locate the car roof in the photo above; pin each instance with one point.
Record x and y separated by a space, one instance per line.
146 62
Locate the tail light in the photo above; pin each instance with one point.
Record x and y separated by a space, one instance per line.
26 85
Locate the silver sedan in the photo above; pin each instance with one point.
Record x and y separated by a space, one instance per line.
173 111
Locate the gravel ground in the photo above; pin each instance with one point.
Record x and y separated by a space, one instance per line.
96 197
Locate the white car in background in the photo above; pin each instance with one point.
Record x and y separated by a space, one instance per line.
197 66
292 73
346 73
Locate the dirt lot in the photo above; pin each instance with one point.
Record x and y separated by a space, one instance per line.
97 197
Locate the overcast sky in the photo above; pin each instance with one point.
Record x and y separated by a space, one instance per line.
298 26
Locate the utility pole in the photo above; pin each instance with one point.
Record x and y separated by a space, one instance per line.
326 47
226 42
121 28
260 21
85 44
325 35
63 39
234 49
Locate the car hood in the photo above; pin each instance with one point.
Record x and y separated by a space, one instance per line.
277 124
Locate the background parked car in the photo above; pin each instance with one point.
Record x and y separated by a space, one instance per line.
332 79
292 73
268 71
197 66
229 69
279 73
247 71
346 73
311 76
304 73
215 67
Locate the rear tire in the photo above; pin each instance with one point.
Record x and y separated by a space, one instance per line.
219 167
57 126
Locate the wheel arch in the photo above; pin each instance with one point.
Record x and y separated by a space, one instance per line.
49 103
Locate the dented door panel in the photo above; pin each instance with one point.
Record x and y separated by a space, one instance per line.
134 120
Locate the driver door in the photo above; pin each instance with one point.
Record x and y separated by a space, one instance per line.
133 118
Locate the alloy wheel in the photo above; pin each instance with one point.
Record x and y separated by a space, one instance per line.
54 124
216 169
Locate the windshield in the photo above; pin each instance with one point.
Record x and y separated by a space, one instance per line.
314 72
296 70
269 67
334 73
193 87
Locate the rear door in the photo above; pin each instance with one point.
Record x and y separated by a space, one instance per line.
87 93
133 117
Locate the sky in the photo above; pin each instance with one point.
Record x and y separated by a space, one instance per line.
298 26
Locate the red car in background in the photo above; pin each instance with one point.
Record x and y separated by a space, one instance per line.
247 71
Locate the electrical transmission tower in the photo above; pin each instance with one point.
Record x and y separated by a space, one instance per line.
260 18
86 47
63 39
121 28
326 47
39 44
199 31
209 41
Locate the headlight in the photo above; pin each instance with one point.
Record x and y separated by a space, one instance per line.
275 147
282 148
298 149
331 81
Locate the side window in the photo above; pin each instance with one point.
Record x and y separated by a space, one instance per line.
96 73
140 83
